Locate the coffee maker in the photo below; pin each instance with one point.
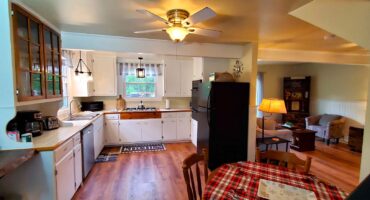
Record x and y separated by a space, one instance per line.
29 122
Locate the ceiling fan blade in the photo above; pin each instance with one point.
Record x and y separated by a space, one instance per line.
202 15
152 15
151 30
205 32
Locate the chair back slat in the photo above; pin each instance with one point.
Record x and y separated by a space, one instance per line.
190 161
194 193
285 159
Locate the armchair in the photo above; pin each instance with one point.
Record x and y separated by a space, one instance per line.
326 126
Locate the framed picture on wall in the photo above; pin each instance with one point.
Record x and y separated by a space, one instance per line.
295 106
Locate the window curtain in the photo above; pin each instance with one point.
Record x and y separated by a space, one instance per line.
151 69
259 92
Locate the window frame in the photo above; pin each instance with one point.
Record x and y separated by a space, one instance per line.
157 91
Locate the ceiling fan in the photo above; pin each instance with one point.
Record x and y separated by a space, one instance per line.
181 23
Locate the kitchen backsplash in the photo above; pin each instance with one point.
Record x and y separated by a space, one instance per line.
110 102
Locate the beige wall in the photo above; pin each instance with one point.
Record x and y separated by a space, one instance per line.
335 89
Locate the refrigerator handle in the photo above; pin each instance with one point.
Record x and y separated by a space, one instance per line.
208 108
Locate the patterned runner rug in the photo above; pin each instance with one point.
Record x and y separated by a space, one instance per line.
132 148
109 154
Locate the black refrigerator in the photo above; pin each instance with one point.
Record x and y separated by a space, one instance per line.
221 109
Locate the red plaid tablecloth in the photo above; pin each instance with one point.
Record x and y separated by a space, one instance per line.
240 181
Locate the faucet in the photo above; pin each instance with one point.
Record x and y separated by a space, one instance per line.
70 107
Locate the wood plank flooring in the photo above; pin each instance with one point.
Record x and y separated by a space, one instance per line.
335 164
158 175
151 175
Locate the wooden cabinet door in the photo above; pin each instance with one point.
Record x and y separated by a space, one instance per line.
111 131
186 77
172 78
52 59
29 65
65 177
130 131
183 129
105 75
151 130
77 165
169 129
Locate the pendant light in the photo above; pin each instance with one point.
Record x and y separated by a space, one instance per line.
140 72
79 69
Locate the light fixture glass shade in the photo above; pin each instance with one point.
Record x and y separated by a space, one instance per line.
272 105
140 72
177 33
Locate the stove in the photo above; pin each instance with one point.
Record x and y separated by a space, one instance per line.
145 109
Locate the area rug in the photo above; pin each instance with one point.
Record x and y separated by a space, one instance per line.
133 148
109 154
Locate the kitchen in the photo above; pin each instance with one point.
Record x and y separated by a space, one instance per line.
65 155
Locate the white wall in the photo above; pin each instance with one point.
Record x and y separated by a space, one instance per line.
335 89
142 45
214 65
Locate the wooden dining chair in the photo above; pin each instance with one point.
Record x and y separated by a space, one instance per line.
188 163
285 159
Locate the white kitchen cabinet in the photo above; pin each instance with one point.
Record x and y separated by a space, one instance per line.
169 129
98 135
178 75
197 68
172 78
130 131
111 130
78 165
186 77
151 130
81 84
194 131
183 129
105 74
176 126
65 177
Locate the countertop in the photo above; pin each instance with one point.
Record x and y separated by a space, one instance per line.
161 110
50 140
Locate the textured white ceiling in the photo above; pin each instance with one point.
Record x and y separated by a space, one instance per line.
265 21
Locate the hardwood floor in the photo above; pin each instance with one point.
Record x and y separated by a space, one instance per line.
335 164
158 175
152 175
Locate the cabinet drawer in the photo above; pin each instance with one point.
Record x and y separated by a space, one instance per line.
111 116
61 151
140 115
169 115
184 115
77 139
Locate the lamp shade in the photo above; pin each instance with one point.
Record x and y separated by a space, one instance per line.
272 105
177 33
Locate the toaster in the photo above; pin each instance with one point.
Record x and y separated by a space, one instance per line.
50 122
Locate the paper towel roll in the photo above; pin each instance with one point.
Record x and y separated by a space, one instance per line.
167 104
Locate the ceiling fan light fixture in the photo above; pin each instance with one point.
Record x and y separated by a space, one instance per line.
177 34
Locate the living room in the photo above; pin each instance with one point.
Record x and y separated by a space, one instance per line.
338 89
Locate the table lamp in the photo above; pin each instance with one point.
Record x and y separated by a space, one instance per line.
271 105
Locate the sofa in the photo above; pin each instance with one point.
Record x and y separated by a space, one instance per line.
327 126
271 131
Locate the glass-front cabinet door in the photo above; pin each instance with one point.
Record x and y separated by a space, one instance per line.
52 62
28 56
37 57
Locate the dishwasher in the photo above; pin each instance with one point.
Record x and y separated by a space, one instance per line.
88 149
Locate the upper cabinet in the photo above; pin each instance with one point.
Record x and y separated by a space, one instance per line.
103 81
36 56
178 76
104 67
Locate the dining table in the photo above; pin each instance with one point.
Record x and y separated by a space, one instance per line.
241 180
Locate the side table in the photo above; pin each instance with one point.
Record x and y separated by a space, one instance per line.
303 140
